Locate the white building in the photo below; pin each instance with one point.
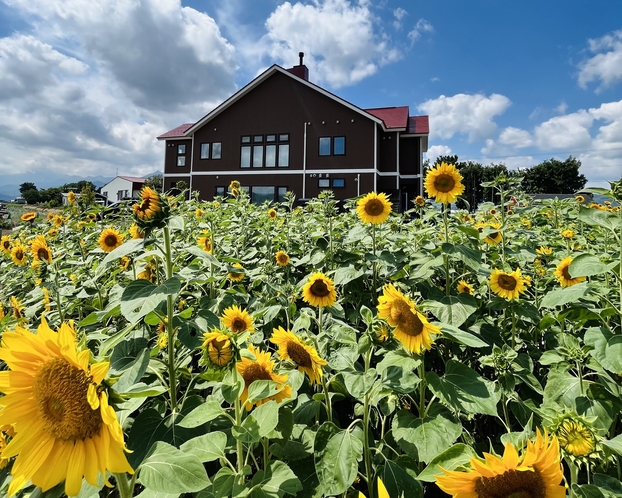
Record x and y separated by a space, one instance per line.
123 187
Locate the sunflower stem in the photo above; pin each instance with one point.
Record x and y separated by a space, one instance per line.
327 403
238 422
446 256
375 263
366 428
58 306
422 386
513 327
125 490
169 322
580 372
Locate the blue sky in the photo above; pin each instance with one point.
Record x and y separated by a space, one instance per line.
86 86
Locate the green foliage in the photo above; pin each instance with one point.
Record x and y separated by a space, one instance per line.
554 177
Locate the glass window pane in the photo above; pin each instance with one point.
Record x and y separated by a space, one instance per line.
284 155
258 138
181 149
339 182
181 160
204 151
324 146
323 183
245 189
262 194
220 191
216 148
281 194
245 157
246 139
270 138
270 156
257 156
339 145
284 137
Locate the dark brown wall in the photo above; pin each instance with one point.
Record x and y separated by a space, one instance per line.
410 156
387 151
282 105
170 156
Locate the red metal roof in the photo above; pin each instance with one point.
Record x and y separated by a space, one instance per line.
133 179
393 117
176 132
419 125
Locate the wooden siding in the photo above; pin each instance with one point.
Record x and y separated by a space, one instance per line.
410 155
387 151
170 156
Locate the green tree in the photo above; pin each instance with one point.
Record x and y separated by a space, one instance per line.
155 182
554 177
32 196
24 187
87 196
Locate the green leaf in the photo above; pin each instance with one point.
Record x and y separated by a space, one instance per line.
134 373
586 265
471 257
128 247
464 389
261 422
398 481
613 354
614 444
344 275
262 389
169 470
208 447
587 491
596 217
176 223
126 354
202 414
424 439
359 383
277 481
461 337
149 493
336 455
399 380
141 297
454 310
564 295
450 459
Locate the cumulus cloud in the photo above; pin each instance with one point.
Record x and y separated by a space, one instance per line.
464 114
606 65
343 42
436 151
568 132
515 137
399 14
422 26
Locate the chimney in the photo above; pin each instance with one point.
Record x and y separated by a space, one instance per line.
300 70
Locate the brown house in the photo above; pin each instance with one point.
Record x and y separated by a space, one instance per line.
281 132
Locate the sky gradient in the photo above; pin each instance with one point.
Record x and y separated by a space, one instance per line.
86 86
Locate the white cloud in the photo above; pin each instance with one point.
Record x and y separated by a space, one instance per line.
464 114
562 107
606 65
436 151
399 14
515 137
422 26
568 132
343 42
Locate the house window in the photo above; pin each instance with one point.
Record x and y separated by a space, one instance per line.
262 194
204 151
266 151
323 183
181 155
215 148
324 146
339 182
220 191
281 191
181 149
332 146
181 160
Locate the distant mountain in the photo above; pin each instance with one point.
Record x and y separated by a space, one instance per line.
9 184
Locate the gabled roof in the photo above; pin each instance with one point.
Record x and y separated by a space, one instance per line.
394 118
418 125
176 132
133 179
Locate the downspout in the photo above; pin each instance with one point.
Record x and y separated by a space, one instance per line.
191 166
375 156
304 164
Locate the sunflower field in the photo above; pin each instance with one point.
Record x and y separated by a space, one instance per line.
225 349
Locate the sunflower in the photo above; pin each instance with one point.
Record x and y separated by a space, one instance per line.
237 320
412 329
217 348
148 272
152 210
198 213
544 251
568 233
319 291
18 309
419 201
272 214
493 238
235 192
205 242
1 312
282 258
580 199
382 490
464 287
18 254
535 473
563 275
136 232
508 285
40 249
71 198
50 216
5 244
110 239
261 369
234 185
58 220
575 438
374 208
444 183
28 216
162 341
64 427
305 357
125 263
46 299
91 217
236 276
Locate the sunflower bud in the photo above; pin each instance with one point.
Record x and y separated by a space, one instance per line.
152 211
217 349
